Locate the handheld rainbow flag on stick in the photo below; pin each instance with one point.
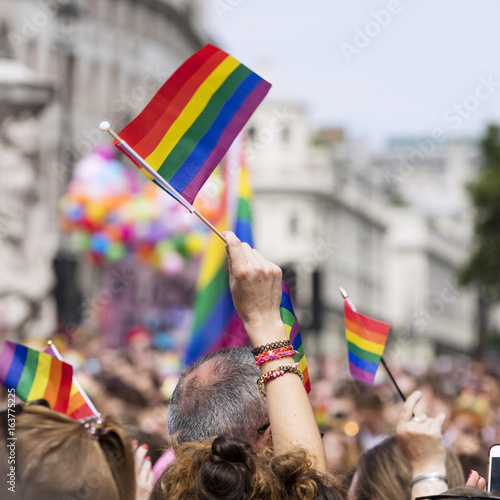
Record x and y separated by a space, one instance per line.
185 130
80 405
36 375
366 339
293 330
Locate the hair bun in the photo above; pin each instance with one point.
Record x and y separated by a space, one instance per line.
230 449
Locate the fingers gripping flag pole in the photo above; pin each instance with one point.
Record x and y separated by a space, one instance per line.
366 338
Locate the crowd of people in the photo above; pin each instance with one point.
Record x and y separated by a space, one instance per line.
228 437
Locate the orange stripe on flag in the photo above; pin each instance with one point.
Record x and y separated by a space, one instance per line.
364 333
52 389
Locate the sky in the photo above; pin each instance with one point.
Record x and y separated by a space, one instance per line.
378 69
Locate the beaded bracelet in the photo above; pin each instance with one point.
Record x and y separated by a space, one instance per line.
281 370
268 356
270 346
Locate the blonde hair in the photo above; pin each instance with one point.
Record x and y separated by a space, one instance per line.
383 472
57 458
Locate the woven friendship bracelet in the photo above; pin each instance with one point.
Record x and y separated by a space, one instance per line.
276 354
270 346
281 370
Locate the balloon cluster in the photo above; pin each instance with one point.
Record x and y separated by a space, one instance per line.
112 215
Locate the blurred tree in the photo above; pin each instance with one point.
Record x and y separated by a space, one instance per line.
483 266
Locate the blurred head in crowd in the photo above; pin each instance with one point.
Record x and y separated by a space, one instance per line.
341 450
383 472
463 436
371 418
58 457
216 395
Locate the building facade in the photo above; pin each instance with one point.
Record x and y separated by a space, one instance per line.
105 59
331 214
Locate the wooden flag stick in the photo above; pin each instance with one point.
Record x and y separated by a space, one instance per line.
106 127
346 297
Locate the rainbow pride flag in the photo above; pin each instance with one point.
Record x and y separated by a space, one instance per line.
366 338
188 126
293 330
36 375
216 322
79 405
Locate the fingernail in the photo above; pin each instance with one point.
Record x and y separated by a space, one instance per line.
148 459
135 442
145 446
470 474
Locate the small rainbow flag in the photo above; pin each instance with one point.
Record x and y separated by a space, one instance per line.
36 375
293 330
79 405
188 126
366 338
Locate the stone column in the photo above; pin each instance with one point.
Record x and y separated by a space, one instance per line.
28 229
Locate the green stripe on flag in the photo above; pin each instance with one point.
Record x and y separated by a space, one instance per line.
244 211
361 353
202 124
28 376
207 298
287 317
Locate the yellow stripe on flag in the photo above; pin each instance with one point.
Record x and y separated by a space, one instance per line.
191 112
37 390
366 345
211 266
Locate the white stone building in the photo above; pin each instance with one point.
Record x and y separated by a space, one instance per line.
105 59
327 211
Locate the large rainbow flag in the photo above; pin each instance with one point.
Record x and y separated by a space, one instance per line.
188 126
293 330
36 375
79 405
216 322
366 338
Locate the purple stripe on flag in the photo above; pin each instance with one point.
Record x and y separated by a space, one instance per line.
360 374
230 133
294 332
6 356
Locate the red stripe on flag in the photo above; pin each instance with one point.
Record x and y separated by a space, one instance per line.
52 389
62 401
365 322
148 129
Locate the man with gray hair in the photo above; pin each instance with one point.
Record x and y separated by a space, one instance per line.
216 395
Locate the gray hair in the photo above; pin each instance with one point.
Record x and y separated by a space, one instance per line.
227 401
